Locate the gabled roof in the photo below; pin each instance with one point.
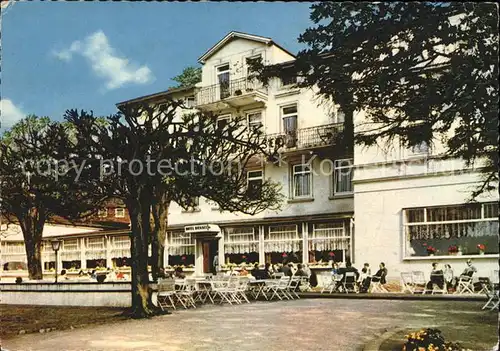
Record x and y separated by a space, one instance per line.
157 95
233 35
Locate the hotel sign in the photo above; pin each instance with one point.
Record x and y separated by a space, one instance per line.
201 228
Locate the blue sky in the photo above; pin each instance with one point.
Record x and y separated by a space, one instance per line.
91 55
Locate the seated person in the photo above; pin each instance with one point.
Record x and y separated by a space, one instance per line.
467 273
258 273
470 269
268 271
179 274
449 277
437 277
243 271
348 268
63 275
335 268
364 279
381 274
300 271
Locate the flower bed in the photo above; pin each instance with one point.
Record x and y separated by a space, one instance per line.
430 340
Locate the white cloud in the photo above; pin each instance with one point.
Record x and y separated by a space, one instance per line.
117 71
10 113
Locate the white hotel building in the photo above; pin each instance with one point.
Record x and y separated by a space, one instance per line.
376 205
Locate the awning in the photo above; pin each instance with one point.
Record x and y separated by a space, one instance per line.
204 231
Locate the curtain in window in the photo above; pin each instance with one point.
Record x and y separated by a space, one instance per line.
290 124
301 184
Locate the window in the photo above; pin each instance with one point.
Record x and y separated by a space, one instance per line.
254 120
95 251
422 148
70 254
223 81
289 116
180 248
329 241
302 181
342 177
223 121
251 58
190 102
339 116
289 80
195 204
282 242
102 213
254 179
444 230
241 244
120 250
119 212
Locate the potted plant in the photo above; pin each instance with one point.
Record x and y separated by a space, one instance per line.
431 250
19 280
238 92
453 250
481 248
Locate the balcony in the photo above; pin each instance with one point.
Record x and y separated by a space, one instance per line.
305 138
235 93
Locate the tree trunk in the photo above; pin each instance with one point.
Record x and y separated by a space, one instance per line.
32 225
160 223
140 209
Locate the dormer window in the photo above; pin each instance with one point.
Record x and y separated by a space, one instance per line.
119 212
190 102
102 213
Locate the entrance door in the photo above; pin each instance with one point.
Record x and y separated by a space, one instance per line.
210 250
223 80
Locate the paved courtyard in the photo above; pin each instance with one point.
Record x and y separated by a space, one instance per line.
306 324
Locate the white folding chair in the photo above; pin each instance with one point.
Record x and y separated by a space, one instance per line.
406 282
187 292
419 282
293 286
465 285
166 294
493 293
280 290
242 288
349 282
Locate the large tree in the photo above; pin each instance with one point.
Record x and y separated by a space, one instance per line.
189 77
149 156
37 179
421 71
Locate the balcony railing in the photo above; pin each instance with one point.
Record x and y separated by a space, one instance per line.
233 88
312 137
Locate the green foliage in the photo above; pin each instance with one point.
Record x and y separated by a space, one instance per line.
189 76
422 72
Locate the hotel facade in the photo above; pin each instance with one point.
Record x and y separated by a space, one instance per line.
377 205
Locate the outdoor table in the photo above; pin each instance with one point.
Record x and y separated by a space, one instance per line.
259 285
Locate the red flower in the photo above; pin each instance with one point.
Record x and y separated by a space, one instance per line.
243 257
425 244
284 254
481 247
183 258
331 254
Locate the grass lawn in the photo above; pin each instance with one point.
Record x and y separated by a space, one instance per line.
14 318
